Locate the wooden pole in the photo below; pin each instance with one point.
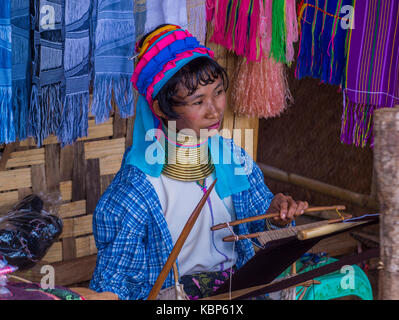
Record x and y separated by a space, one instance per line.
386 165
318 186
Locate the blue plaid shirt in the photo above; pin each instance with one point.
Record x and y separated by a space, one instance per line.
133 239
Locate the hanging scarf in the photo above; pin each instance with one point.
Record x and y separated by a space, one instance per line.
322 50
114 38
372 73
164 53
165 11
7 127
140 17
236 26
74 123
48 82
20 21
197 19
260 88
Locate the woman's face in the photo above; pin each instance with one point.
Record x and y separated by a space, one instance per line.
202 111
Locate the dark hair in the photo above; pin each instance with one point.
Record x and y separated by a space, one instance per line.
199 71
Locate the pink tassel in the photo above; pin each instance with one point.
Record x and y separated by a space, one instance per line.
220 21
292 29
241 26
260 88
254 48
266 27
231 31
210 10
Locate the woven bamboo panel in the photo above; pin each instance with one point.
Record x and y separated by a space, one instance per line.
80 173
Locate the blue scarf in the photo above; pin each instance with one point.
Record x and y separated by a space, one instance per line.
113 45
48 81
74 123
7 129
20 21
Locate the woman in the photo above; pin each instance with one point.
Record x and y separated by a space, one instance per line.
176 154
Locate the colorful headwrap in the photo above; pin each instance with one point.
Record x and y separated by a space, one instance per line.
161 56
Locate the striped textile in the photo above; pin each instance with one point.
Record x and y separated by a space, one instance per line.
48 81
7 129
75 119
372 72
322 48
20 23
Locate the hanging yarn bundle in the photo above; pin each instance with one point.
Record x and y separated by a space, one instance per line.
322 50
372 71
20 23
48 81
236 26
7 127
260 89
113 40
74 123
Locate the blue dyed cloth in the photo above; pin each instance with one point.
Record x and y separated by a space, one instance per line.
133 239
75 119
113 34
20 22
7 126
48 81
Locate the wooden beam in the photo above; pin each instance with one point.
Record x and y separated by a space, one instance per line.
66 272
321 187
386 165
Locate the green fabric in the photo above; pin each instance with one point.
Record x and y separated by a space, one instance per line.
330 287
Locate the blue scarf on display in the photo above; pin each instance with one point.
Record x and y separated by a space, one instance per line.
20 22
7 126
113 45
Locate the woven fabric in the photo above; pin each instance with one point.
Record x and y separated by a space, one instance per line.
165 11
48 81
196 10
20 22
74 123
113 39
322 50
7 126
372 72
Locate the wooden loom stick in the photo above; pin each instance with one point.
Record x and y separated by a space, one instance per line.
324 230
241 292
179 244
289 231
271 215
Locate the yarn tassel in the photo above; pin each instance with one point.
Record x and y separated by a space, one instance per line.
45 114
7 126
278 43
75 119
292 30
210 10
220 21
241 28
357 123
254 53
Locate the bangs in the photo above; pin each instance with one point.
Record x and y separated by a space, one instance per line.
202 71
198 72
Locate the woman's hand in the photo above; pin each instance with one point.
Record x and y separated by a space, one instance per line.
288 208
